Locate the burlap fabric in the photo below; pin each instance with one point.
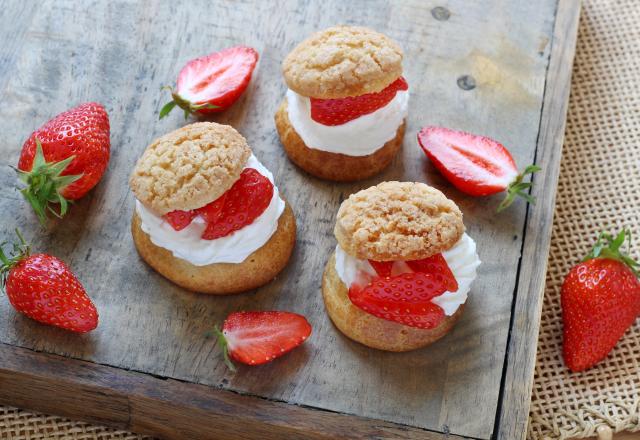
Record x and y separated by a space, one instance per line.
599 189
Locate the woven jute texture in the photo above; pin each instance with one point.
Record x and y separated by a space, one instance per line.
599 189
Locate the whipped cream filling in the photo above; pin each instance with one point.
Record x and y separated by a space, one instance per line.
462 259
188 244
359 137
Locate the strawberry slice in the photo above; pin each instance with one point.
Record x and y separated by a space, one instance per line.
255 338
437 266
243 203
213 211
382 268
405 299
212 83
476 165
180 219
339 111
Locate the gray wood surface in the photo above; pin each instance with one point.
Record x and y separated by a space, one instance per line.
527 309
120 53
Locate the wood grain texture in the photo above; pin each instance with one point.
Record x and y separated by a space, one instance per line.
483 70
518 379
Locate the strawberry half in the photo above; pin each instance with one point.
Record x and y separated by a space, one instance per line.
600 301
476 165
245 201
255 338
405 299
212 83
43 288
340 111
65 158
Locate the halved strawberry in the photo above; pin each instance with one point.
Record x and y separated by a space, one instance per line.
255 338
405 299
437 266
212 83
243 203
382 268
180 219
476 165
339 111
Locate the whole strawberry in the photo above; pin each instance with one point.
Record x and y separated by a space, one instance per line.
43 288
600 301
65 158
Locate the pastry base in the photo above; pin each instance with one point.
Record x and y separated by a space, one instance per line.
371 330
333 166
258 269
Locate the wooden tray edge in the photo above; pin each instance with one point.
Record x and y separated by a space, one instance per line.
513 409
168 408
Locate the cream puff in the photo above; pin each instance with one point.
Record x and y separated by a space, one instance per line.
403 267
343 117
208 214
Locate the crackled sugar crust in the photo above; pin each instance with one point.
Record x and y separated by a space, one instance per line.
398 221
343 61
189 167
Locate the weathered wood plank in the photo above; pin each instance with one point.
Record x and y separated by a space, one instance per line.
514 413
147 324
169 408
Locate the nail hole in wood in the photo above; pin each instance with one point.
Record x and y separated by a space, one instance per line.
466 82
440 13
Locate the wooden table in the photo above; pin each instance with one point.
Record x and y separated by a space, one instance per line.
501 68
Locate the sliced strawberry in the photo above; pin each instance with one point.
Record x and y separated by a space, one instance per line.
476 165
180 219
405 299
214 82
339 111
255 338
382 268
437 266
213 211
243 203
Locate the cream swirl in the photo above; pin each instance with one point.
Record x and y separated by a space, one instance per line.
462 259
359 137
188 244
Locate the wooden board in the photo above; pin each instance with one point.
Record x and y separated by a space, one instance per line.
486 67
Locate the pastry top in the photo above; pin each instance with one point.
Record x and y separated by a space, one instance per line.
343 61
189 167
398 221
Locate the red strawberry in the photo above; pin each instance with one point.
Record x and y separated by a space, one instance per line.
243 203
255 338
382 268
180 219
437 266
213 211
600 301
214 82
476 165
404 298
339 111
65 158
43 288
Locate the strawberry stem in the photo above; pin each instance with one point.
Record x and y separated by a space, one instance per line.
184 104
225 348
517 188
608 246
45 183
20 251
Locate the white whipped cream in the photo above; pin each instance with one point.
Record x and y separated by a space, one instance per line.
188 244
359 137
462 259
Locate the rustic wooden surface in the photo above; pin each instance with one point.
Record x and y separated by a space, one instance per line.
527 308
477 66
